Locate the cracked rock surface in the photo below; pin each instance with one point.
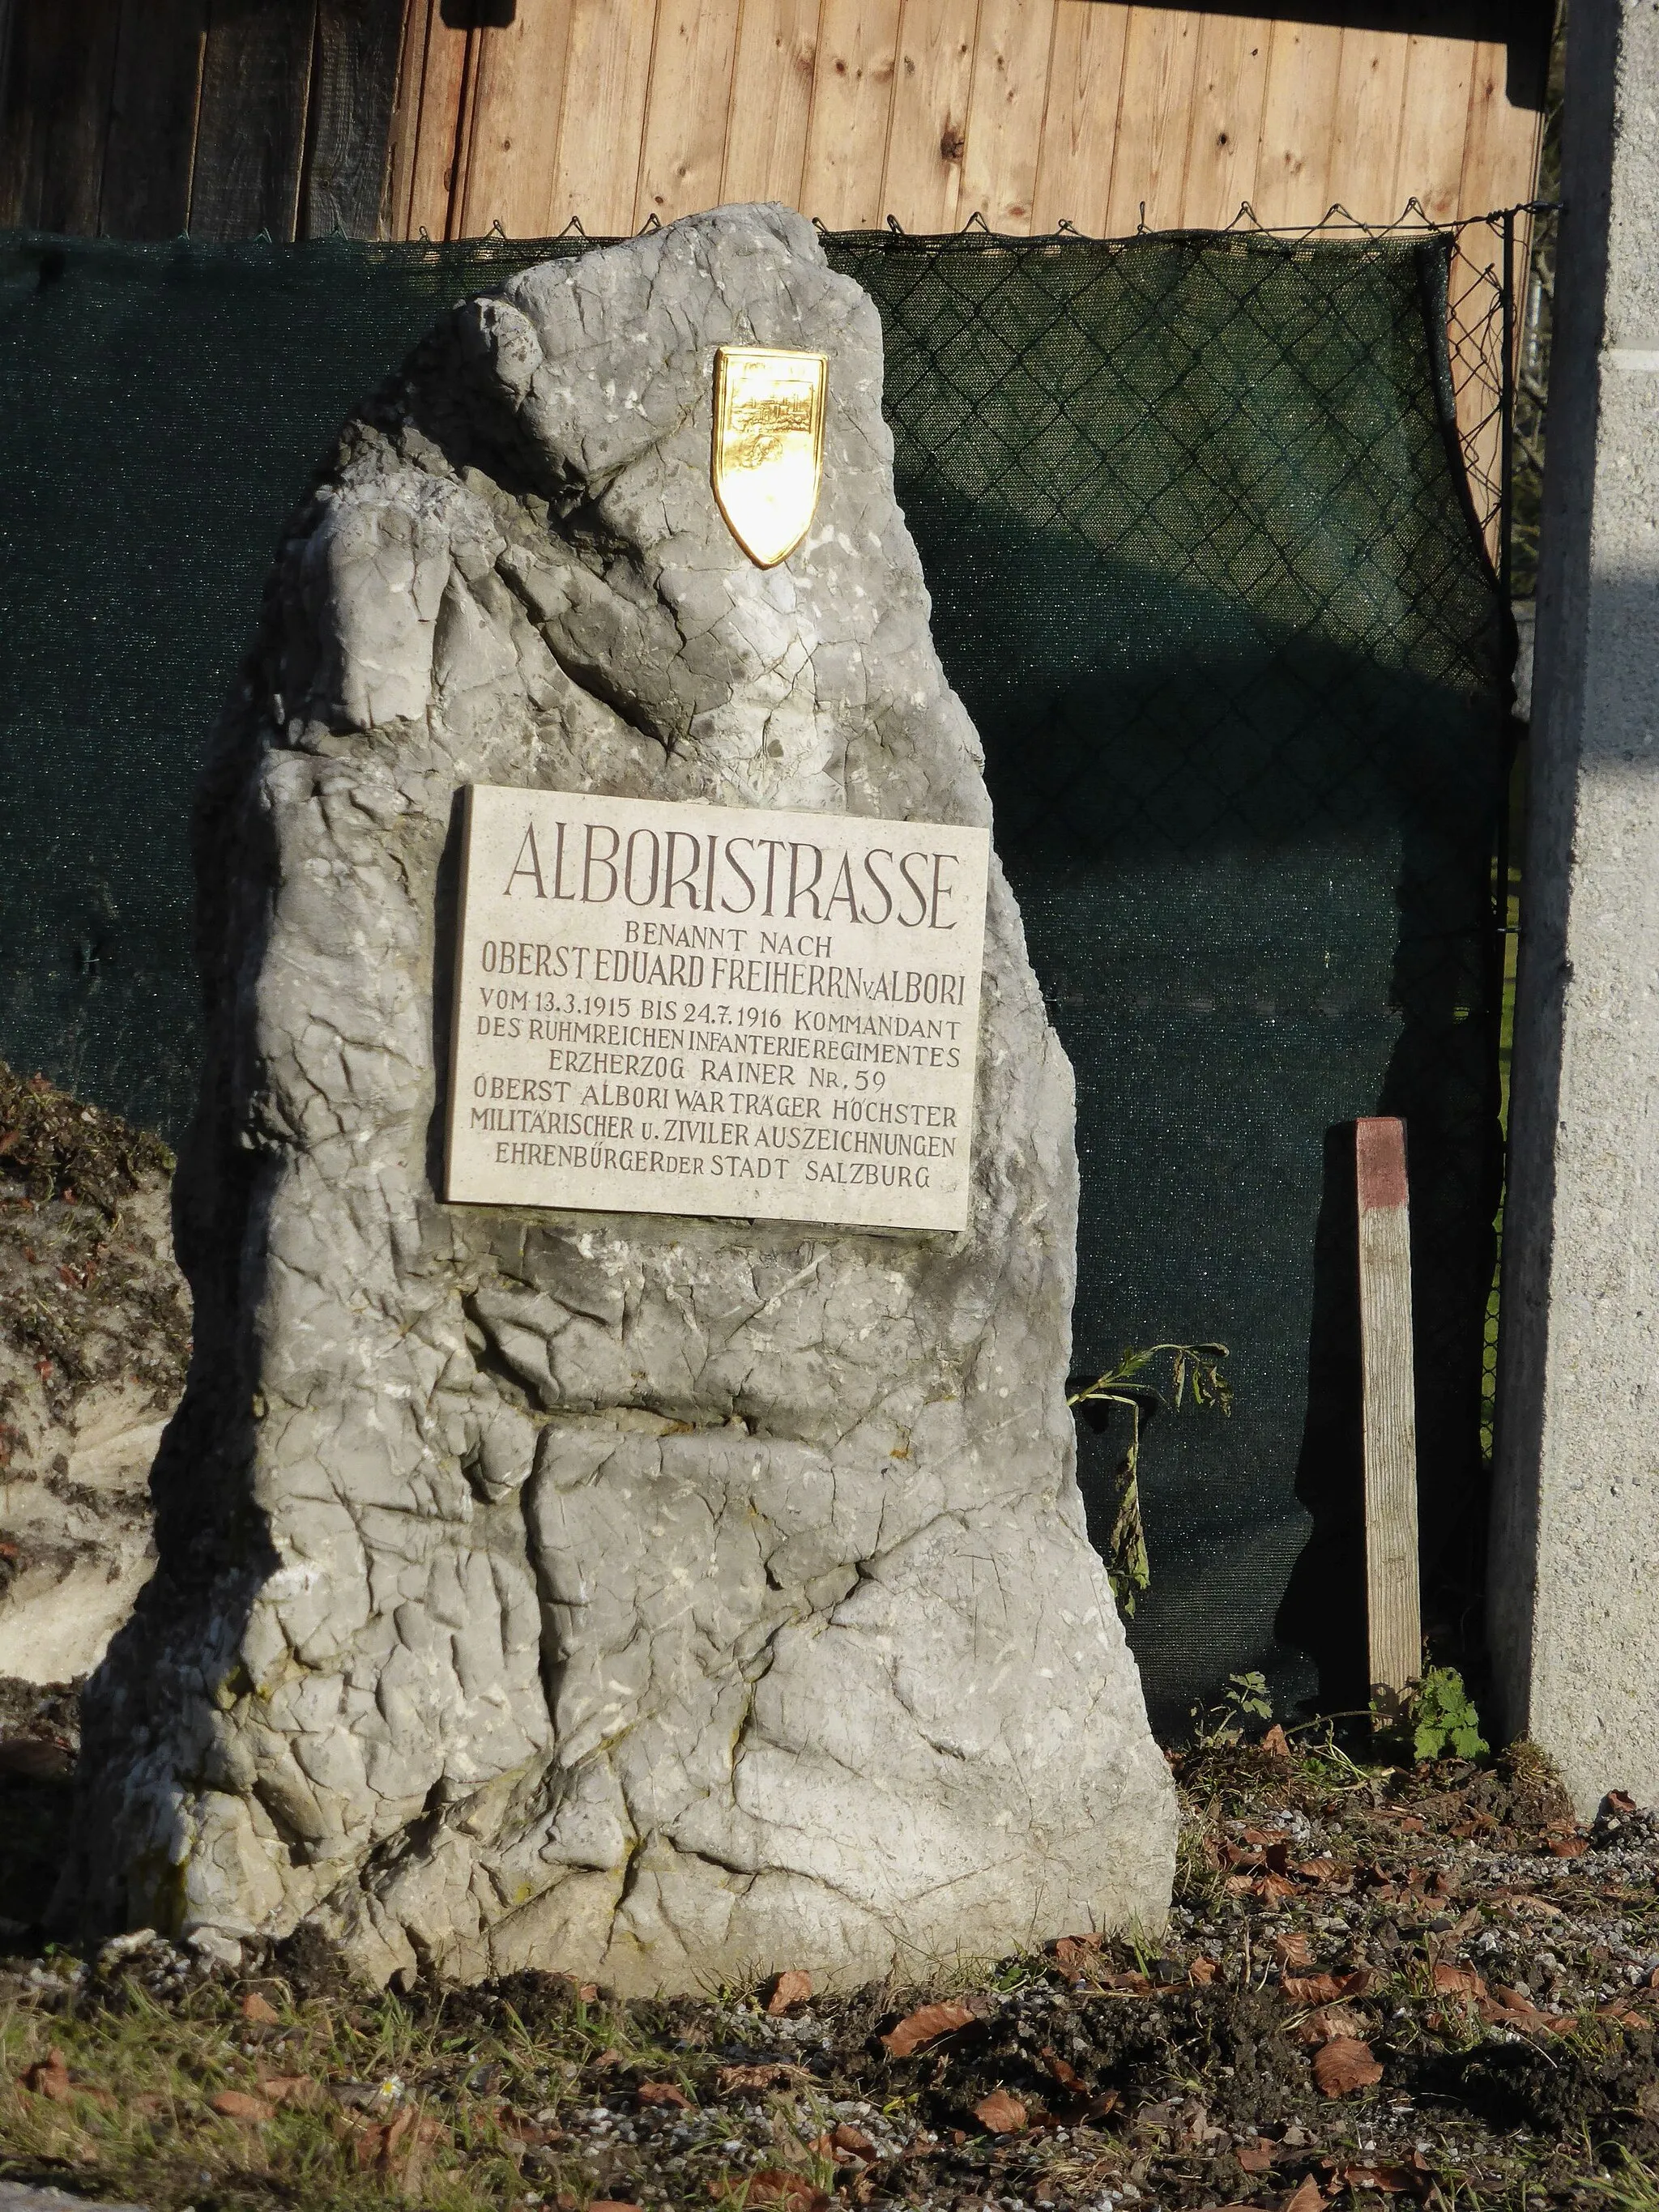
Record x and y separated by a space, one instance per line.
95 1332
654 1599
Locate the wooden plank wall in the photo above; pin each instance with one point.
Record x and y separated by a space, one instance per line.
142 118
1023 113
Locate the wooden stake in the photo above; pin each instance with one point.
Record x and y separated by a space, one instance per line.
1393 1616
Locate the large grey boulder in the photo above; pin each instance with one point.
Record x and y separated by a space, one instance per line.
654 1599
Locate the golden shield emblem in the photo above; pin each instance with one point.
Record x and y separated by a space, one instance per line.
768 446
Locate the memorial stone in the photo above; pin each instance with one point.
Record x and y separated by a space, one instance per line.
569 1559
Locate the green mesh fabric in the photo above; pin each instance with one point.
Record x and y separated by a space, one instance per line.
1206 573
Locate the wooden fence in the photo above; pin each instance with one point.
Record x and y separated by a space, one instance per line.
1023 113
145 117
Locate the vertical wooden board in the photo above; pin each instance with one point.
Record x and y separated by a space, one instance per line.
597 176
152 124
517 95
931 80
1394 1619
1370 92
688 108
251 131
852 106
425 122
1229 85
18 65
349 132
771 100
1006 114
1149 163
1433 124
1079 127
1500 147
55 118
1298 117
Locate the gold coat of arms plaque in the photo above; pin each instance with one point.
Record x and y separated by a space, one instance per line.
768 446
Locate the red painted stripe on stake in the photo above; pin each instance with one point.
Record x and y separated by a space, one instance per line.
1379 1162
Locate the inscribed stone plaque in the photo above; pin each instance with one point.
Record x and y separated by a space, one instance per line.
671 1008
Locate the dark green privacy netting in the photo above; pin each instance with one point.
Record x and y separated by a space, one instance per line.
1206 573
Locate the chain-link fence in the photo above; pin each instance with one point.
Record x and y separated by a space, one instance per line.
1209 523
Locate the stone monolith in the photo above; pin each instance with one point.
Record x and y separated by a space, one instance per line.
651 1598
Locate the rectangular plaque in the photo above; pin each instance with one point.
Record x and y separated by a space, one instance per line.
666 1008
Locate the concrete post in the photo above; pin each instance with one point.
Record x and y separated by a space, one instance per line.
1574 1616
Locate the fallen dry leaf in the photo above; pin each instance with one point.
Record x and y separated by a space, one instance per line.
1498 2015
1390 2180
397 2148
238 2105
790 1988
1309 2196
1344 2065
1324 1871
663 2092
1479 1823
50 2077
588 1992
1457 1981
260 2010
1277 1744
1073 1954
1064 2072
771 2185
1311 1988
1617 1800
611 2204
848 2142
1197 2126
1569 1847
1203 1970
1330 2024
1513 2000
733 2080
531 2133
1293 1950
1257 2157
1001 2114
298 2089
926 2026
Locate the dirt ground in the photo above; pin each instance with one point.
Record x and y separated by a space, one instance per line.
1378 1983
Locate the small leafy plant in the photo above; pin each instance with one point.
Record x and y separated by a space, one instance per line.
1195 1372
1441 1717
1244 1698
